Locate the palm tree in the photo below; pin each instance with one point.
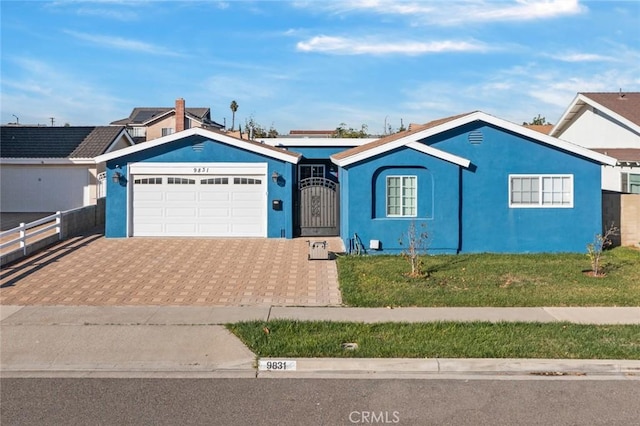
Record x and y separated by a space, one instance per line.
234 108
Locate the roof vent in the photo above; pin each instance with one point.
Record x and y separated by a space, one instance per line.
476 137
198 147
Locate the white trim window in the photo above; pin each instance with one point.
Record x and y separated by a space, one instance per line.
631 183
402 196
526 191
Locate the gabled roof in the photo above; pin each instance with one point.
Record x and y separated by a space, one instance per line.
412 138
624 107
142 116
71 142
252 146
389 142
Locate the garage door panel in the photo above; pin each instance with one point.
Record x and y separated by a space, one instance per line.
180 229
184 212
149 196
181 196
222 229
246 213
150 228
201 208
215 213
151 212
214 196
246 196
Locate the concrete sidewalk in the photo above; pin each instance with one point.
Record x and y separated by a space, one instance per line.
189 315
151 341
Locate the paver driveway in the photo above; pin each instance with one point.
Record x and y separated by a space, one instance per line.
93 270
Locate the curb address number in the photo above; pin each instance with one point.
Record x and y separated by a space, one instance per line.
276 365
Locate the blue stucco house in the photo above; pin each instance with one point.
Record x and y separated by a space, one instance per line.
474 182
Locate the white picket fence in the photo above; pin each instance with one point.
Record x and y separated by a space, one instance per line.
101 188
20 236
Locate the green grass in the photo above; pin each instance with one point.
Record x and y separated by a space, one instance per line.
492 280
440 339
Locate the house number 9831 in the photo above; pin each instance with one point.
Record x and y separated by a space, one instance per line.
200 170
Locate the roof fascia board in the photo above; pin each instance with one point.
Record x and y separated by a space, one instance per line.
48 161
564 117
429 150
284 156
317 142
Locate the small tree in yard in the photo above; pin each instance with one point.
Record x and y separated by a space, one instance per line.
595 249
416 245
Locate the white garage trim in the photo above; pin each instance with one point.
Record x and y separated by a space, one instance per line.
198 199
197 168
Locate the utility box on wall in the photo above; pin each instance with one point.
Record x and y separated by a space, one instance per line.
276 205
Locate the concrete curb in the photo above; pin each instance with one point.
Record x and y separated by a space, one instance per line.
451 367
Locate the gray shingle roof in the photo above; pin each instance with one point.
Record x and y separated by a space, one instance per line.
56 142
143 114
625 104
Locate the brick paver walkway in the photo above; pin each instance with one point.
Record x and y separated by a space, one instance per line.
93 270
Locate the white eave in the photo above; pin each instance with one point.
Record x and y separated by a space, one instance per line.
317 142
413 139
255 147
49 161
579 102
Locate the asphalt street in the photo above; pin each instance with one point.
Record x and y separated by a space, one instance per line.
475 401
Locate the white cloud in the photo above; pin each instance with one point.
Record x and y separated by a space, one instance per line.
349 46
457 12
121 43
583 57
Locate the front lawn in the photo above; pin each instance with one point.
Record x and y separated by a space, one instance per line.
285 338
492 280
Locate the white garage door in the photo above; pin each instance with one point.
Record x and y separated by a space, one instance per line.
199 205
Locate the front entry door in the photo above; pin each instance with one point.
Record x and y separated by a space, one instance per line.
318 207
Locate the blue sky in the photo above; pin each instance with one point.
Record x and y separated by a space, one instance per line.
313 64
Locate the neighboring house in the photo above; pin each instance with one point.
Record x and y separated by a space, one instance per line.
542 128
476 182
148 123
48 169
608 123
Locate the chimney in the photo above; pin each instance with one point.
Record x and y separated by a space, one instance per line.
180 118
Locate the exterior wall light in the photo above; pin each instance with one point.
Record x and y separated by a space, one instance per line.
275 176
116 177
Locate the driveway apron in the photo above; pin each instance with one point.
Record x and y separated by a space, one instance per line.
93 270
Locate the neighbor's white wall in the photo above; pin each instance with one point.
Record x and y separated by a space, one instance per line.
27 188
595 130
